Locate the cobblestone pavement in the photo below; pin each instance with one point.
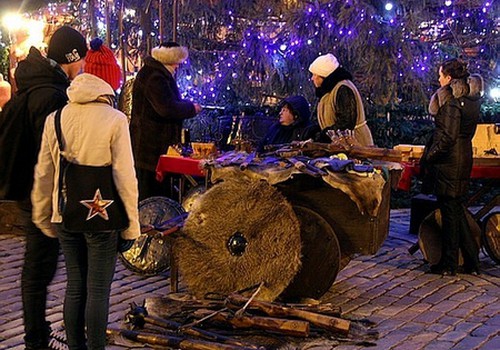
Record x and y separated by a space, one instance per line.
411 309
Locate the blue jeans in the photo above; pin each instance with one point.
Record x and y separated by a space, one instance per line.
90 266
40 263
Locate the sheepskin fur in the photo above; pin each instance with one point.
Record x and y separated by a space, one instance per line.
476 85
472 87
267 221
170 55
366 192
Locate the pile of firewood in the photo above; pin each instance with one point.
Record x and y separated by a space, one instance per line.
237 322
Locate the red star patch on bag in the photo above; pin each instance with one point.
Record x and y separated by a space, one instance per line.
97 206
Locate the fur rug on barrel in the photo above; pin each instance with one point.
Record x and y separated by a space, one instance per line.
238 234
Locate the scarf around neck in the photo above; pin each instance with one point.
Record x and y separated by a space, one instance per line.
333 79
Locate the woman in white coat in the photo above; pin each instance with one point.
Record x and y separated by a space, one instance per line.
94 134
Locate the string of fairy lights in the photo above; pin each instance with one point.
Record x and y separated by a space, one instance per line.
269 53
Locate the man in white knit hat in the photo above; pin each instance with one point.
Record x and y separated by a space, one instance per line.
340 106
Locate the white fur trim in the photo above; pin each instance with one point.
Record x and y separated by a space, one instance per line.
476 84
170 55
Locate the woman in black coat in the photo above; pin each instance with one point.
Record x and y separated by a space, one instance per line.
158 111
294 124
447 160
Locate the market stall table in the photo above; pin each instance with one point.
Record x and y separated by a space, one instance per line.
185 167
310 196
483 168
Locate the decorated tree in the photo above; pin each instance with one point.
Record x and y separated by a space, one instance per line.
254 52
255 48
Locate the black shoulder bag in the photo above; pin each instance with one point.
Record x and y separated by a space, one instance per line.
88 199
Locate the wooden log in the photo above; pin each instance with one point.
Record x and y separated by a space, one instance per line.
325 309
173 305
196 332
357 151
294 328
386 154
171 341
352 150
330 323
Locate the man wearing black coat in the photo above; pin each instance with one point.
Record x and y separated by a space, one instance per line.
47 80
157 113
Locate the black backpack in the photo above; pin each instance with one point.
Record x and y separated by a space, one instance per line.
17 147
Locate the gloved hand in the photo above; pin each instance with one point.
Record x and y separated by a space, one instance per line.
124 244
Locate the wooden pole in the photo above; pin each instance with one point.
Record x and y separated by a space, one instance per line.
172 341
12 64
326 322
175 19
160 15
196 332
93 19
108 24
296 328
123 41
145 22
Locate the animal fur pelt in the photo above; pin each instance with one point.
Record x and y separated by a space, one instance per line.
366 192
258 213
457 88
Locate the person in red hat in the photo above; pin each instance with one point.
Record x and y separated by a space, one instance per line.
101 62
95 134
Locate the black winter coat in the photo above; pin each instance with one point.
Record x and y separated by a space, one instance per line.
157 113
448 155
47 83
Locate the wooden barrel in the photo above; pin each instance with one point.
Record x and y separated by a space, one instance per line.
240 233
320 257
491 235
429 236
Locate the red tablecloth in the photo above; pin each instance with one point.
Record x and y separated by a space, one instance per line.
478 172
178 165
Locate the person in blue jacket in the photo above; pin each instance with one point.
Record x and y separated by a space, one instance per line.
294 124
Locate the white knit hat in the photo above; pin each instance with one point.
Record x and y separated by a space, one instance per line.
324 65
